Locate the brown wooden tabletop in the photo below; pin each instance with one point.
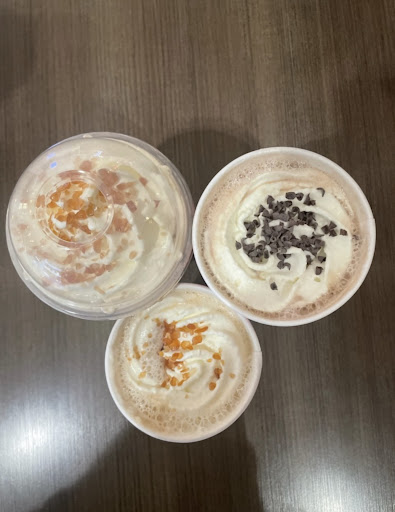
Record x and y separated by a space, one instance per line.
204 81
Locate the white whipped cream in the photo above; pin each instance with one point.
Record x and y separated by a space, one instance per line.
136 260
218 367
248 281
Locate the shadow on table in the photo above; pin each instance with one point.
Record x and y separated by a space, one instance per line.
137 473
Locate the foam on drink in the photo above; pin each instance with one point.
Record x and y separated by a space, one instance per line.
183 367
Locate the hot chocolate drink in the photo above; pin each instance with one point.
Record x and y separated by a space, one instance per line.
280 237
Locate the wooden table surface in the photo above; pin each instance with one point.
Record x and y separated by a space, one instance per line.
204 81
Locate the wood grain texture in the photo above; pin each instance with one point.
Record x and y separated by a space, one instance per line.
205 81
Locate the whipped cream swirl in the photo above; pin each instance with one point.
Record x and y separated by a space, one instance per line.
182 364
294 276
95 223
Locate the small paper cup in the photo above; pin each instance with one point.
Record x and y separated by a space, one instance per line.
238 411
332 170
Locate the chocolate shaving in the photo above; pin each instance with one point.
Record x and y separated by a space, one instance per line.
247 248
279 238
343 232
322 191
318 271
321 259
332 232
308 201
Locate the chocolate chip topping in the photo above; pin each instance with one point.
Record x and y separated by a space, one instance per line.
275 227
318 270
273 286
259 211
343 232
308 201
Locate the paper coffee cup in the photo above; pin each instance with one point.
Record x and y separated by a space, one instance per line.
112 369
331 170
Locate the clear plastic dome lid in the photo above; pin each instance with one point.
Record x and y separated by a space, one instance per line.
99 225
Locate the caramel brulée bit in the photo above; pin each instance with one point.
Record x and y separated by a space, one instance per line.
68 212
171 343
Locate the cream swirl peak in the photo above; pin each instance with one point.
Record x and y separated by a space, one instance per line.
278 238
98 224
295 230
184 366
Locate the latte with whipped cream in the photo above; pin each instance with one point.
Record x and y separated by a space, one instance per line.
185 368
279 237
